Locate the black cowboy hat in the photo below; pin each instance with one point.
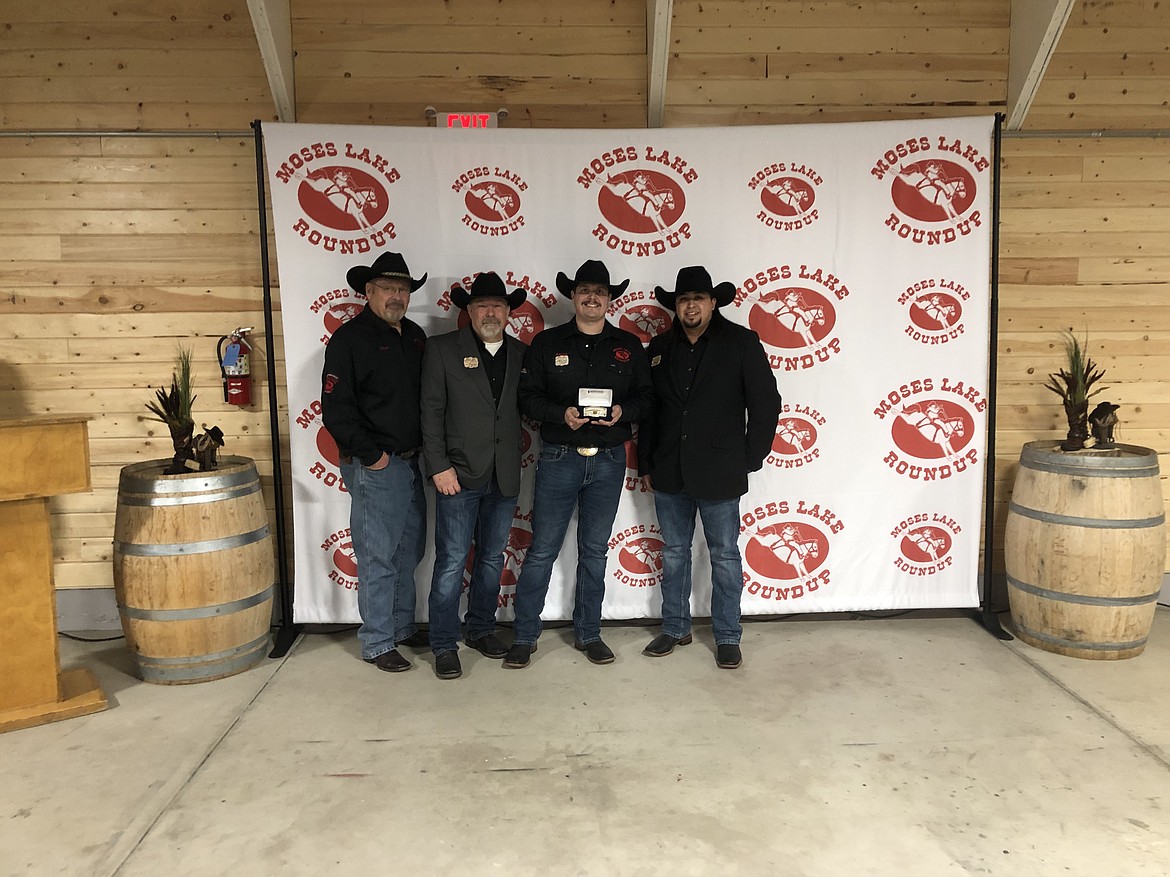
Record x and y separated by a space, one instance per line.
591 271
696 279
386 265
487 285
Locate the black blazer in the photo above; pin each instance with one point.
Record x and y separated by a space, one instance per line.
706 443
461 425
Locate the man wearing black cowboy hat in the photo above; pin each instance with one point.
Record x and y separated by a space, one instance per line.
715 412
471 451
370 405
586 382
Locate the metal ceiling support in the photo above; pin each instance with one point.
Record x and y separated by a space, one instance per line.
1096 134
1036 27
658 14
272 21
98 132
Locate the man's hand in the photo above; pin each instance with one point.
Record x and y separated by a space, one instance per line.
648 483
446 482
572 420
616 412
383 462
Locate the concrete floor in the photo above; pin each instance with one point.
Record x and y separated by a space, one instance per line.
907 746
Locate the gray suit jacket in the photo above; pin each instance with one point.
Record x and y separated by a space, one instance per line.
460 423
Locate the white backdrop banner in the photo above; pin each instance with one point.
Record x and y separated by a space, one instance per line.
861 256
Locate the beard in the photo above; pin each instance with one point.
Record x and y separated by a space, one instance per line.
391 313
491 331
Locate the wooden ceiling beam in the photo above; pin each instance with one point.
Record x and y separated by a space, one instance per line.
272 21
1036 27
658 13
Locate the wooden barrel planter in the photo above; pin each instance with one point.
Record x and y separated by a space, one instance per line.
193 570
1085 549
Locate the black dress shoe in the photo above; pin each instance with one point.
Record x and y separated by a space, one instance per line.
518 656
597 652
390 661
447 665
420 639
728 656
489 646
663 644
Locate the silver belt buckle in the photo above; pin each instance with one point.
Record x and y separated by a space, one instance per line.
587 452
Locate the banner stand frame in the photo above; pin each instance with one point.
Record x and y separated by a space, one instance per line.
985 616
287 631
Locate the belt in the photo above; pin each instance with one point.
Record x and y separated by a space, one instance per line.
405 455
588 451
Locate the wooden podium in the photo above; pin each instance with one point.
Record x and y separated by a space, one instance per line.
39 457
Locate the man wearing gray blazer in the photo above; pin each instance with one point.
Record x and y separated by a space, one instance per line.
471 451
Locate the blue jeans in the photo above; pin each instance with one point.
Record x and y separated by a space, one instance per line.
676 517
564 480
388 525
485 514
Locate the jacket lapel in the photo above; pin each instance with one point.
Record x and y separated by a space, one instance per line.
514 351
667 362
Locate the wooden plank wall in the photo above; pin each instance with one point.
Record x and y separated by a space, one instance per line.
1110 69
130 65
562 65
114 251
1085 246
739 62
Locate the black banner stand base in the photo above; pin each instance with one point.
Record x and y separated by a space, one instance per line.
989 621
285 637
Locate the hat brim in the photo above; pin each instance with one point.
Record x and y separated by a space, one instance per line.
359 276
723 293
461 298
567 284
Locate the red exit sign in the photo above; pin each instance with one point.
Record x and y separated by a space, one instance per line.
469 120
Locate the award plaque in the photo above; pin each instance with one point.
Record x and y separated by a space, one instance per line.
595 403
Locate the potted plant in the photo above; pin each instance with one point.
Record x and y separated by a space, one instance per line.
173 407
1073 385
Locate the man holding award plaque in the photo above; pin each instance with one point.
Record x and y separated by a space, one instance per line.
586 382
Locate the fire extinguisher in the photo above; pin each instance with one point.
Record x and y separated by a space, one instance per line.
235 366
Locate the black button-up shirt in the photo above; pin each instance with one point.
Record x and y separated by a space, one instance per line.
370 387
562 360
685 357
494 366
